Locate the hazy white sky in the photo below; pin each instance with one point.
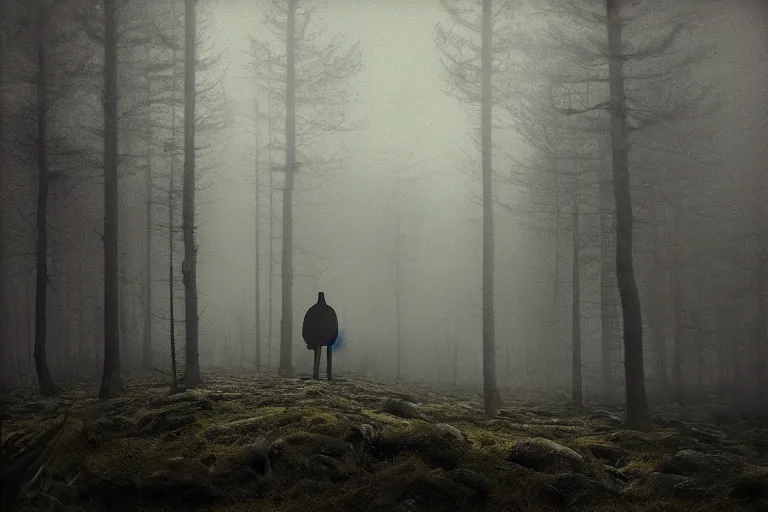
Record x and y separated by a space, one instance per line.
409 120
343 225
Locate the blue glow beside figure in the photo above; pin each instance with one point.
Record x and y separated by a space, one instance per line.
339 343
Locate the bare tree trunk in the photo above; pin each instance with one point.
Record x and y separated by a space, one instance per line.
637 405
5 352
490 391
677 306
257 255
111 386
657 308
286 322
147 324
455 348
241 333
189 265
47 388
122 322
398 270
760 366
576 383
174 380
609 311
171 204
271 227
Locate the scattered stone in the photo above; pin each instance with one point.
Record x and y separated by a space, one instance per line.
543 455
751 487
614 455
257 456
664 484
451 431
363 435
432 444
605 417
702 465
471 480
337 471
629 439
402 409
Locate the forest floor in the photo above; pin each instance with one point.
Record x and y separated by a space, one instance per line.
248 442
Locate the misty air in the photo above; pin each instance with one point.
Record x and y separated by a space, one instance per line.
394 255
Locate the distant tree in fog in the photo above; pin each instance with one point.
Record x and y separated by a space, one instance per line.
650 64
189 266
4 349
111 384
314 73
470 68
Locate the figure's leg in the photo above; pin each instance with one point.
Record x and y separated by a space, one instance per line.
316 365
330 364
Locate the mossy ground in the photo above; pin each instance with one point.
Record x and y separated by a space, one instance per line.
262 442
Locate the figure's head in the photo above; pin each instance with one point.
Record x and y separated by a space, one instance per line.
321 298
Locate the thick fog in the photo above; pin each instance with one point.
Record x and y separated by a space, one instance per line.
389 203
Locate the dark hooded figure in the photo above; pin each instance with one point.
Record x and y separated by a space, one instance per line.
320 329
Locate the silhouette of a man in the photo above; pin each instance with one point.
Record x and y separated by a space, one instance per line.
320 329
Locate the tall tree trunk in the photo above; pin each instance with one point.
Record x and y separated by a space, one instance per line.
637 405
609 316
455 347
189 265
171 305
257 254
677 305
171 205
5 352
122 322
576 385
44 379
111 386
241 333
398 270
490 391
271 226
147 324
286 322
657 309
174 373
760 365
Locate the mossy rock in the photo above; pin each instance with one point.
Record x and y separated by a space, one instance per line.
751 487
435 445
402 409
702 466
545 455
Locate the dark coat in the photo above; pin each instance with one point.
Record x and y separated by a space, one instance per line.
321 326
